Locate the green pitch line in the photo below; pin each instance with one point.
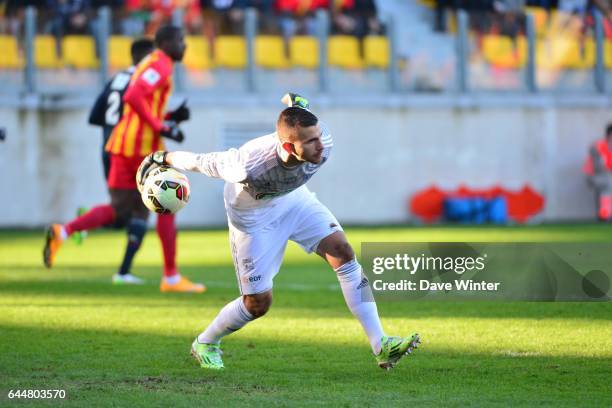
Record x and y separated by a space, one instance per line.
69 328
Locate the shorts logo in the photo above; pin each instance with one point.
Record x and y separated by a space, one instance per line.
252 279
333 225
364 283
248 264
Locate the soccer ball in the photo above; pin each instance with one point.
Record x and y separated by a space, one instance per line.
165 190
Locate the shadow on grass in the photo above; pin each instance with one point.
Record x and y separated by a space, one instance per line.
318 298
106 368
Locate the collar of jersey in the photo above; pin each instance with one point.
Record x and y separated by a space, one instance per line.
279 156
162 55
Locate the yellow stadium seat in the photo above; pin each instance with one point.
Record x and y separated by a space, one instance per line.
565 52
45 52
79 51
304 51
577 55
230 51
9 52
547 56
608 54
343 51
270 52
119 56
197 55
376 51
502 52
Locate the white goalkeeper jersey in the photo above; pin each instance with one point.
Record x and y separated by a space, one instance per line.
259 187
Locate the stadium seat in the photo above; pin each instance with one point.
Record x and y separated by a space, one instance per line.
230 52
119 52
502 52
197 56
565 52
608 54
343 52
270 52
547 56
9 52
45 52
304 51
577 55
79 51
376 51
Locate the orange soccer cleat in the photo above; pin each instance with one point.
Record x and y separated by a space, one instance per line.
183 285
53 242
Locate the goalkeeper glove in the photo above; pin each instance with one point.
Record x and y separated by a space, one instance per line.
172 131
180 114
150 163
291 99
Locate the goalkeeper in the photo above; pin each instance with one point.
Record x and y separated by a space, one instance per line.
268 204
137 134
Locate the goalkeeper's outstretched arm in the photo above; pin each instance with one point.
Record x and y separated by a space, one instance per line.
227 165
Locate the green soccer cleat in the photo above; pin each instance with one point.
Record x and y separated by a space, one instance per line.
394 348
208 355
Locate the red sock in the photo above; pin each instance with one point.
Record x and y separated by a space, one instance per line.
94 218
166 231
605 207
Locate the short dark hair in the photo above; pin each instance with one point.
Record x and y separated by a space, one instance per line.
141 48
293 117
609 130
166 33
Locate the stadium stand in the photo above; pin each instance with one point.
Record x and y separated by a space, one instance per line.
45 52
497 44
79 51
503 52
119 51
230 52
376 51
9 53
197 56
304 51
343 52
270 52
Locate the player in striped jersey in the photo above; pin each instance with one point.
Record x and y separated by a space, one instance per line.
137 134
108 107
267 204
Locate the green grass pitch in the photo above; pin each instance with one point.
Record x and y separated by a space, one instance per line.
69 328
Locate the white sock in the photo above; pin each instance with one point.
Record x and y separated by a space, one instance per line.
173 280
231 318
359 299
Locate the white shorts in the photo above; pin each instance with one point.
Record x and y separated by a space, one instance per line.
258 255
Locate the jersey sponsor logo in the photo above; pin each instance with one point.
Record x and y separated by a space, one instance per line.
151 76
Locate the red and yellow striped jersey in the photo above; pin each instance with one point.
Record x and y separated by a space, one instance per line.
137 133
